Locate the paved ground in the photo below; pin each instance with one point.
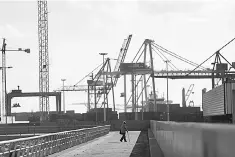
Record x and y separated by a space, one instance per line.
106 146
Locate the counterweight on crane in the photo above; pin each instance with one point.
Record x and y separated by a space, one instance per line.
43 58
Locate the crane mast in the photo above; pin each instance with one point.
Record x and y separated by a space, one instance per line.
3 112
43 58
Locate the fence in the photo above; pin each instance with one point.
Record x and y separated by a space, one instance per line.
44 145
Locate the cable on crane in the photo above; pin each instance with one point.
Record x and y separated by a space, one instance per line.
162 58
137 52
88 75
225 45
135 87
171 64
218 51
141 92
167 59
140 56
225 59
200 64
177 56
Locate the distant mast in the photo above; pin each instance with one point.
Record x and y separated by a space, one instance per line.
183 98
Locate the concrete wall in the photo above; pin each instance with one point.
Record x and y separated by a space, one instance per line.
45 128
52 127
194 139
132 125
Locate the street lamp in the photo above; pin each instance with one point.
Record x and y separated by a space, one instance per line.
63 94
168 107
103 54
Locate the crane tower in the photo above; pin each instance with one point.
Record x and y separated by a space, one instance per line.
43 58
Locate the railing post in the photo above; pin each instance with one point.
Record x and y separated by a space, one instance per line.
34 129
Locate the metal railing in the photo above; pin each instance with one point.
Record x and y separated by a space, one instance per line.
44 145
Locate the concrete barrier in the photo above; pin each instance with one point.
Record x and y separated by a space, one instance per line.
154 148
194 139
132 125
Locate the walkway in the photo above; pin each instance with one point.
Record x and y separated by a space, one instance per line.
106 146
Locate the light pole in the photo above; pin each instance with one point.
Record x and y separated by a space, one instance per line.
103 54
168 107
63 95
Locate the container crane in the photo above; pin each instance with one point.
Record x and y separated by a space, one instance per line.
94 87
185 97
122 56
199 72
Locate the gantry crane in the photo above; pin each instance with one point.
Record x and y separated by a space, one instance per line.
122 56
95 87
186 96
199 72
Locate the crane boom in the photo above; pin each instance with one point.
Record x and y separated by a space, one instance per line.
190 89
75 88
122 56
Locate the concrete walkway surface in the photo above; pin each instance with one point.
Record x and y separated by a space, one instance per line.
106 146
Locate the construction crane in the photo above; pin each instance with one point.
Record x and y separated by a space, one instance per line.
4 107
190 90
44 106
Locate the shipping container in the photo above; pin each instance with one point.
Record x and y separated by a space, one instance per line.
186 110
213 102
218 101
160 107
70 112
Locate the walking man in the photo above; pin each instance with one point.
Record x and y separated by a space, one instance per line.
123 130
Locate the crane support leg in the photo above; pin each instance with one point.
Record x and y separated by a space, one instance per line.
152 67
125 93
133 92
88 99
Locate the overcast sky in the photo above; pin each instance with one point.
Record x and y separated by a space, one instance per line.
80 30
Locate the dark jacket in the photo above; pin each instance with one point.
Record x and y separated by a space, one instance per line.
123 128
